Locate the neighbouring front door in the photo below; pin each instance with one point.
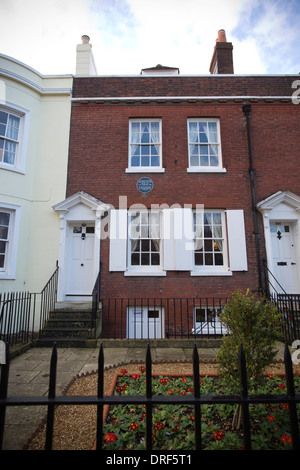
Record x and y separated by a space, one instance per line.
145 322
284 257
80 261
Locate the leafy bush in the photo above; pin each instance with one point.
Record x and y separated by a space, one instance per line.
250 321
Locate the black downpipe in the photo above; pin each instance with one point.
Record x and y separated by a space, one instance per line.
247 111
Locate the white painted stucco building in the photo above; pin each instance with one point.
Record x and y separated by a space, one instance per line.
34 138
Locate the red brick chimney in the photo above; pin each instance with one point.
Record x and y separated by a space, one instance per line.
222 62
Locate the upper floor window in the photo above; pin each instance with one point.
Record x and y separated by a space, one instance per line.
204 145
9 137
13 136
145 147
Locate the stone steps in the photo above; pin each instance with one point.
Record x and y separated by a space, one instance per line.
69 327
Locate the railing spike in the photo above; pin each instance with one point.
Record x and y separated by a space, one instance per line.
291 394
53 365
51 395
99 431
244 394
148 395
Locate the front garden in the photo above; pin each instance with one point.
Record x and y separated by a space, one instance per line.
253 323
174 425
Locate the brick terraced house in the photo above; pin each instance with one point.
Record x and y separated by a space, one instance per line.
180 189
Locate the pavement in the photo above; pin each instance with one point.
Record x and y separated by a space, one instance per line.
29 376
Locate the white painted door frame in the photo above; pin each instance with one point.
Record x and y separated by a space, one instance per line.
81 208
283 207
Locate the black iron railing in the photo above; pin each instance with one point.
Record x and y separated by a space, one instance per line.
151 400
18 312
17 317
288 305
152 318
96 297
48 298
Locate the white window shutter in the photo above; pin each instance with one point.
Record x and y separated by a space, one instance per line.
118 240
237 240
168 240
183 239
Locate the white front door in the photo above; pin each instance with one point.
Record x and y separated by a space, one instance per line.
80 261
145 322
284 257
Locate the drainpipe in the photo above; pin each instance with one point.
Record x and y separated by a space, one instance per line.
247 111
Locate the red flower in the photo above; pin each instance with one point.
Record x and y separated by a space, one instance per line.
135 376
110 437
281 386
158 426
284 406
192 417
184 379
164 381
218 435
142 369
286 438
134 426
123 371
271 418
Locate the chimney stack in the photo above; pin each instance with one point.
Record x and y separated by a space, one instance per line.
85 64
222 61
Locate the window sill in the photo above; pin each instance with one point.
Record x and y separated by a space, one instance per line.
7 276
14 169
211 273
206 170
145 170
144 273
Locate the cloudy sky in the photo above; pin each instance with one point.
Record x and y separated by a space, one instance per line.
128 35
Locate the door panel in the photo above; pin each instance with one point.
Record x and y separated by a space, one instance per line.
80 261
145 322
284 257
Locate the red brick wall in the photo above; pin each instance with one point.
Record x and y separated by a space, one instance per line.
98 157
210 85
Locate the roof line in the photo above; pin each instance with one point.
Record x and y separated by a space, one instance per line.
185 98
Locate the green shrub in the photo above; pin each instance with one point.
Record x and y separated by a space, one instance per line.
251 321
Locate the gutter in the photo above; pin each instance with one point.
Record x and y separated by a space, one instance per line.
247 111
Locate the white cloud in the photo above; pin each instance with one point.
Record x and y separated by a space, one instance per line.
128 35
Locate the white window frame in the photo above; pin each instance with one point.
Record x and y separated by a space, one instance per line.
144 270
212 270
145 169
9 269
211 323
20 158
207 168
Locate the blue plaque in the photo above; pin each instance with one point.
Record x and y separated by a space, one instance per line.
145 185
